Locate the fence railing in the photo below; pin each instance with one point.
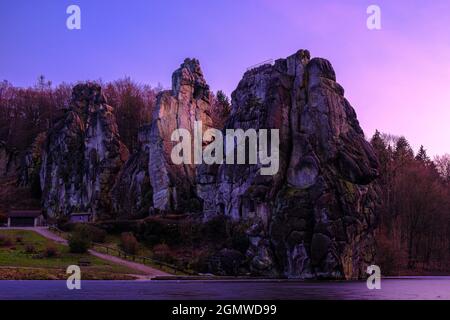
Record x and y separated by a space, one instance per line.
140 259
130 257
270 61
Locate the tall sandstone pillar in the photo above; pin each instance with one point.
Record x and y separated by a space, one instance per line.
82 156
188 101
314 218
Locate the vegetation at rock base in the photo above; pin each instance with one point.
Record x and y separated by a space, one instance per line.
193 244
50 251
83 235
79 241
3 218
128 243
36 258
187 243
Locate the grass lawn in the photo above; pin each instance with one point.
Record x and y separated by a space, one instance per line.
16 263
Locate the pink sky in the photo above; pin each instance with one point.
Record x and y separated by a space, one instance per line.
397 78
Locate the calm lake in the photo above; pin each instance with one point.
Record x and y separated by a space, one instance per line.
392 288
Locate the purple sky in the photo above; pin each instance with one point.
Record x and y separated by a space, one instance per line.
397 78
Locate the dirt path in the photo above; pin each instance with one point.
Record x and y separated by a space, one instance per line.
148 271
152 272
49 235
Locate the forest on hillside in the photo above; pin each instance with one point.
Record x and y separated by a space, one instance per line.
414 222
414 227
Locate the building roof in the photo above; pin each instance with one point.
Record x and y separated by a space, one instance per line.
24 213
80 214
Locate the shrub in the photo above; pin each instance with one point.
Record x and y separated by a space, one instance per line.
118 226
98 235
79 241
50 251
161 252
78 244
227 262
19 239
200 261
153 231
239 239
95 234
128 243
216 228
240 242
191 232
29 249
5 241
62 223
83 231
67 227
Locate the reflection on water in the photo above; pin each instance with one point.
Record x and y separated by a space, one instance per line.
392 288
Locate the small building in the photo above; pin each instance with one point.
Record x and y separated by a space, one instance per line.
81 217
25 218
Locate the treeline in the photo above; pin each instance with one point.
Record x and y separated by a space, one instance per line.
26 112
414 229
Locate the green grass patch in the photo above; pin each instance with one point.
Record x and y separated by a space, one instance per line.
15 255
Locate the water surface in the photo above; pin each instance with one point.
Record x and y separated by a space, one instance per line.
391 289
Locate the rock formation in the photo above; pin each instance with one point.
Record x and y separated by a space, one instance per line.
315 217
82 156
132 193
149 178
9 161
30 164
188 101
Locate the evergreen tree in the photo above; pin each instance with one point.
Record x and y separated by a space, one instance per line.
422 156
223 100
221 108
403 152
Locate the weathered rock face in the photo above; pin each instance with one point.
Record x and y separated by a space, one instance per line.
315 217
9 161
30 164
132 193
188 101
82 156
